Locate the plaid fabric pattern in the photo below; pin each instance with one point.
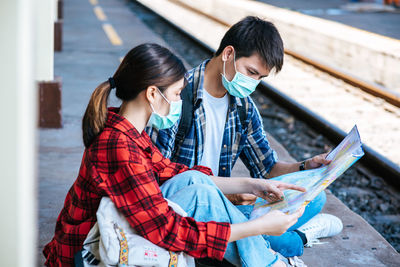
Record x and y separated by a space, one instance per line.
249 141
125 166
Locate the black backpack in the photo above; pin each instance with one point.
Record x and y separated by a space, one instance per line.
186 119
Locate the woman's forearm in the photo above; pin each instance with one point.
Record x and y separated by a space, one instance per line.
243 230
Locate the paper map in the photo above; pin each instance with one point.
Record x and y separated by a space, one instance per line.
315 180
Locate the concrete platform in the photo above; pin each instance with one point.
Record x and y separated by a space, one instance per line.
89 58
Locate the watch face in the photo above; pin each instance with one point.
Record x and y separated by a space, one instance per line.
302 166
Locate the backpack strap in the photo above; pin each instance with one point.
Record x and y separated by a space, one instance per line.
186 119
186 115
242 110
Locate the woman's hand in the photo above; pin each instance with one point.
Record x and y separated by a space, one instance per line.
317 161
272 190
272 223
276 222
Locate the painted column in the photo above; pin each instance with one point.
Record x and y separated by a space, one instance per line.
18 106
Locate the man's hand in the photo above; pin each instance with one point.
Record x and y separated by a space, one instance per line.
242 199
317 161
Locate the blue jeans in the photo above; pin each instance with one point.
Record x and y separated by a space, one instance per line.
198 195
290 243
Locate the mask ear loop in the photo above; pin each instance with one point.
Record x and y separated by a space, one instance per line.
224 69
165 98
234 64
151 105
234 61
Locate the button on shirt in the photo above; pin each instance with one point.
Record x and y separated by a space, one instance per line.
124 165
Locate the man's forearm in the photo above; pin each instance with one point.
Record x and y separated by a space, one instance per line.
281 168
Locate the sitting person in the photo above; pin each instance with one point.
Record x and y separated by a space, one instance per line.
220 124
121 163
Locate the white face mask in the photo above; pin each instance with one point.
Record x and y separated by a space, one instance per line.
164 122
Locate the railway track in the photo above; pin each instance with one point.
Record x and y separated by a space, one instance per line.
326 99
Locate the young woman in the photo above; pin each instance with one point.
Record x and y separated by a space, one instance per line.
120 162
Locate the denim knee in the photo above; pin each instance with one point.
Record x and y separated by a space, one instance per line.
289 244
205 193
319 201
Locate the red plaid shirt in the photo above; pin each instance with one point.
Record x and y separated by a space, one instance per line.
124 165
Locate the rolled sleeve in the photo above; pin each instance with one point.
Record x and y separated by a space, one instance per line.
257 154
203 169
218 235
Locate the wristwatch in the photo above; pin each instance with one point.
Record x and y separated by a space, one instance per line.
302 166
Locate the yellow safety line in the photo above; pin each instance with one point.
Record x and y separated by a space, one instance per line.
94 2
99 13
112 34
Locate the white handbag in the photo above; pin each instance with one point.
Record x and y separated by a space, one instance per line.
113 242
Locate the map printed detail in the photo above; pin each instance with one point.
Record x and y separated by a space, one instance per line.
315 180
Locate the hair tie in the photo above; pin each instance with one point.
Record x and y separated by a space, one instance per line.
112 82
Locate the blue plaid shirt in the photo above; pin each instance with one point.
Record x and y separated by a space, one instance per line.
248 141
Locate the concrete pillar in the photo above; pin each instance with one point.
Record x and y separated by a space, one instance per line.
58 25
45 12
18 106
49 87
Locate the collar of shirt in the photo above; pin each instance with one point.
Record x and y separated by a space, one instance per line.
118 122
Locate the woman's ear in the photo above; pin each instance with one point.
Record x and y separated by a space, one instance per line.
151 93
227 53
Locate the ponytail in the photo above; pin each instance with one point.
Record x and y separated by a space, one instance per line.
96 113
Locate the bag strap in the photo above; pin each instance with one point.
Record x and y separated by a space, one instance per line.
242 110
187 109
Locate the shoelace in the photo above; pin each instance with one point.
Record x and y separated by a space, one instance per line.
312 242
296 262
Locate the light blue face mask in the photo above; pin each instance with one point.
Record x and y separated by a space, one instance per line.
241 85
164 122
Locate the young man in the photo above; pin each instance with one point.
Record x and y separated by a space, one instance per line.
220 123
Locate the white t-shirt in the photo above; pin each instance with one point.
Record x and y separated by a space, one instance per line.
216 110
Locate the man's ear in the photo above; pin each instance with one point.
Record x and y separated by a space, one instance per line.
151 93
227 53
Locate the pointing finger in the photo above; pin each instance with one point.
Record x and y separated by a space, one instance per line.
292 186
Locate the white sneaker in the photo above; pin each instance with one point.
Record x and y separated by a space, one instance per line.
320 226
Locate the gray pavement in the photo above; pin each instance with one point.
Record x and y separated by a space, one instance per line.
384 23
89 58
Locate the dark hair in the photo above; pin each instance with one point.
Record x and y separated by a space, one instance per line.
145 65
254 35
